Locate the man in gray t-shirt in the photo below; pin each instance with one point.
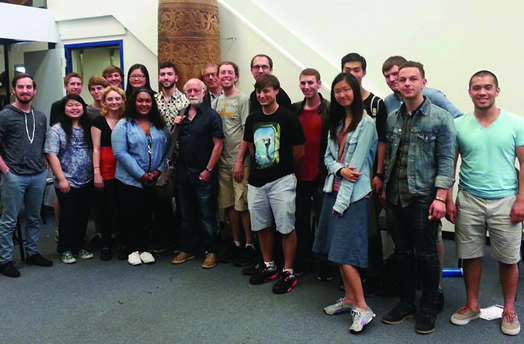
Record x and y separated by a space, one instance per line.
24 173
233 166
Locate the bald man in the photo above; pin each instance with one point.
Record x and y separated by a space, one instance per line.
200 143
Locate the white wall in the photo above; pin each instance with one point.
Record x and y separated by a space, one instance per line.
27 23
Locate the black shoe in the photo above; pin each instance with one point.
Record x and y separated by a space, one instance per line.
263 275
389 290
94 244
400 313
38 260
301 268
232 253
250 271
440 300
285 283
325 273
106 254
8 269
426 322
249 256
371 286
123 253
162 247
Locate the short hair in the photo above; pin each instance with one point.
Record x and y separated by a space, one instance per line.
269 60
112 69
267 80
229 63
414 64
19 76
204 87
209 65
103 111
311 71
97 80
71 75
354 57
391 62
482 73
168 64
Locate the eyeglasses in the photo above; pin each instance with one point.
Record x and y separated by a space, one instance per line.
208 75
139 76
263 67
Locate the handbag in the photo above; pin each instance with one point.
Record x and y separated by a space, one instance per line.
165 184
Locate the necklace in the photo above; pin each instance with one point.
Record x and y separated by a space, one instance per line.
31 139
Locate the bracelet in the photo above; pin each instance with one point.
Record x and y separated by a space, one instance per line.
440 200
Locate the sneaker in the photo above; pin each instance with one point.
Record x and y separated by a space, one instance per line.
56 234
285 283
510 323
426 322
106 254
338 307
398 314
95 243
67 258
231 254
249 256
300 268
250 271
38 260
464 316
440 300
361 319
134 258
147 258
325 273
263 275
210 261
8 269
84 254
182 257
123 253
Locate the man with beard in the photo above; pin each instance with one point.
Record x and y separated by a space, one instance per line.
200 143
169 100
24 171
491 197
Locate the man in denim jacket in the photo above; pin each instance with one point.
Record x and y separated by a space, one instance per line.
419 171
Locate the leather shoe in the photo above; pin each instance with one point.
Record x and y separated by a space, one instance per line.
38 260
8 269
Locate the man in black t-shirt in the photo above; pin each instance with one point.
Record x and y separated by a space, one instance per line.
356 65
263 65
276 140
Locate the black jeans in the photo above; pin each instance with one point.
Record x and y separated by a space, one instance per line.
107 200
375 257
413 233
75 207
309 197
163 222
136 206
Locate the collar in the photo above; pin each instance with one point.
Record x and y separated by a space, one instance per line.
422 109
320 107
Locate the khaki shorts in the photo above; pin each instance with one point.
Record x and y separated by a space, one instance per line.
230 192
475 216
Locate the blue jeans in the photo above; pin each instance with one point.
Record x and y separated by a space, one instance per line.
197 199
413 233
18 191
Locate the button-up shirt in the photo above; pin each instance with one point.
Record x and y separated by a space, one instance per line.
170 109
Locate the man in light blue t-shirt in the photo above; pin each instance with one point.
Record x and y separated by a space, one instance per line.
490 197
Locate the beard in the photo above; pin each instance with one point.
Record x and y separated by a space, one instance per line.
24 101
170 86
195 101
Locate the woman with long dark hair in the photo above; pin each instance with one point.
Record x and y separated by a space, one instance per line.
137 77
344 220
140 141
104 162
69 152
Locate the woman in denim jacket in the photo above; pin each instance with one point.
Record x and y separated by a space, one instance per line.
140 141
344 221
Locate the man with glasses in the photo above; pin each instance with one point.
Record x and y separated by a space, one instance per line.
210 79
262 65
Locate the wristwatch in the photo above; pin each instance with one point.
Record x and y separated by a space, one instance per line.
209 170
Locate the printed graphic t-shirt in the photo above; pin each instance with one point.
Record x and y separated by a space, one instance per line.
273 137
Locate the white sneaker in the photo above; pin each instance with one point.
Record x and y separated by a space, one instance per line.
134 258
147 258
361 318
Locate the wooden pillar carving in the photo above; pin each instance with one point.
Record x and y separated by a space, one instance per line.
188 35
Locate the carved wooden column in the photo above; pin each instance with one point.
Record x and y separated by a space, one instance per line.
188 35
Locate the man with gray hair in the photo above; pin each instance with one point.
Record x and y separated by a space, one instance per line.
200 142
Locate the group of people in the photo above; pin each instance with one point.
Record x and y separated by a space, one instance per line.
270 164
